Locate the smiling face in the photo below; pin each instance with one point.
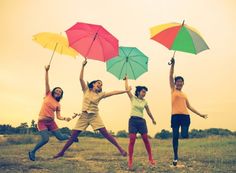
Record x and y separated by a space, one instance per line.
57 93
179 83
97 86
142 93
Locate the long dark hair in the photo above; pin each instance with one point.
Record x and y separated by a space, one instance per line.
53 92
140 88
90 84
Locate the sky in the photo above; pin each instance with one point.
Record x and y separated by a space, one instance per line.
209 76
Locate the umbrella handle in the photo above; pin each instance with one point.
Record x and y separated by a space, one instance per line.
170 62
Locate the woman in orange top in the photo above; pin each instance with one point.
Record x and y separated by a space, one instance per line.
46 116
180 106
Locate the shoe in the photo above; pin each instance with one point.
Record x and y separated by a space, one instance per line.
58 155
76 140
31 156
152 162
175 162
130 165
123 153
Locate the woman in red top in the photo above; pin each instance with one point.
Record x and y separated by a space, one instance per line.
46 121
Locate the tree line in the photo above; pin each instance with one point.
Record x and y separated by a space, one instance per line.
24 128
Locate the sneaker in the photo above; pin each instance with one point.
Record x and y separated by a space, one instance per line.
152 162
58 155
76 140
31 156
175 162
130 164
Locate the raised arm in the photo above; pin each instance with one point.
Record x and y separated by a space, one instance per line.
195 111
150 114
81 77
171 78
116 92
127 87
47 87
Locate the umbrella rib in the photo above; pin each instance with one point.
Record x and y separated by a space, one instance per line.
115 63
191 39
102 47
132 70
122 69
61 49
138 63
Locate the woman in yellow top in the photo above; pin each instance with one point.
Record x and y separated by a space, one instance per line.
180 106
46 118
90 113
137 124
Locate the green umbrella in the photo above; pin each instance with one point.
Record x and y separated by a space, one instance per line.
131 62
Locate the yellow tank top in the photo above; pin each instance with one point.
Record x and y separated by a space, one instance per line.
179 102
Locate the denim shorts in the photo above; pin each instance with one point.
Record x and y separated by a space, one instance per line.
178 120
137 125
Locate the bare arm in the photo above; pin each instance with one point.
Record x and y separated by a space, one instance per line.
81 77
195 111
150 114
127 87
116 92
47 87
58 113
171 78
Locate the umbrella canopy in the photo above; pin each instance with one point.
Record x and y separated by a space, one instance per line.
131 62
55 42
179 37
92 41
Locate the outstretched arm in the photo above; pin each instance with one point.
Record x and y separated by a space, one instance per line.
116 92
58 113
150 114
127 87
81 78
195 111
171 78
47 87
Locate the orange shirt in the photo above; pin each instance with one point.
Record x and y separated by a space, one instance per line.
179 105
50 105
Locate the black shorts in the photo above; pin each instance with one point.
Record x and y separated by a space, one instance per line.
178 120
137 125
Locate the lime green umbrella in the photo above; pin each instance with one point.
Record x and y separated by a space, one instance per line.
131 62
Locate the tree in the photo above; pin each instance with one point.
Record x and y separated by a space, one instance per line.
164 134
122 134
33 127
23 128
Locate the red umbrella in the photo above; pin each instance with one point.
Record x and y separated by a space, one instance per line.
93 41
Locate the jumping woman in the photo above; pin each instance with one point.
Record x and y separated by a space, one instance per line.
46 118
90 113
180 105
137 123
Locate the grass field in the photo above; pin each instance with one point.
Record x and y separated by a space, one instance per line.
206 155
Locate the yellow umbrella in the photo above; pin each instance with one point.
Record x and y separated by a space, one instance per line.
55 42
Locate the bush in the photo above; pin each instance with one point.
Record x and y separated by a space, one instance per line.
164 134
122 134
19 139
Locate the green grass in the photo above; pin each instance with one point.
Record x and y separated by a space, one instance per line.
206 155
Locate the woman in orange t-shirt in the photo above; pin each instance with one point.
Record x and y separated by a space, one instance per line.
46 121
180 106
